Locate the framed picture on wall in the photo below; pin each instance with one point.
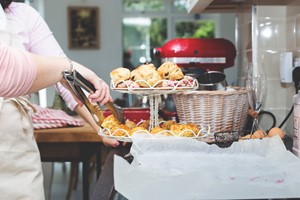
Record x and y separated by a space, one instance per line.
83 27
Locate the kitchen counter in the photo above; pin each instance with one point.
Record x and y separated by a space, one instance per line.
104 188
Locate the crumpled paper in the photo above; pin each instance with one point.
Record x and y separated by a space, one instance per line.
185 168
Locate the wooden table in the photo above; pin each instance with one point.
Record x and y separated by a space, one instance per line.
71 144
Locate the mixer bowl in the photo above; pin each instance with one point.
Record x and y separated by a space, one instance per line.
212 80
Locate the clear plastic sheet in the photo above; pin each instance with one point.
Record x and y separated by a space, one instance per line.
189 169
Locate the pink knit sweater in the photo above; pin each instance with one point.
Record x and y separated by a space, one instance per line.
37 38
15 79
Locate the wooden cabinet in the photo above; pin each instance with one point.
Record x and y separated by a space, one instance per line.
217 6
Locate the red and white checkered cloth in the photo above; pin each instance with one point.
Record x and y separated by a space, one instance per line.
53 118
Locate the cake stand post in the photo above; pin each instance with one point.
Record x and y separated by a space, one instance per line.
153 102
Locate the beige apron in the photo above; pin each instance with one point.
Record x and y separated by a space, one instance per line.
20 166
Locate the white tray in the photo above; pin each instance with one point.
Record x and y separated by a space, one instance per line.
167 86
205 136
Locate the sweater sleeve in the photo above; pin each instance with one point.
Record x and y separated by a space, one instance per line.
41 41
15 79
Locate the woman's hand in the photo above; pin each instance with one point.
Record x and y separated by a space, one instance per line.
102 93
112 142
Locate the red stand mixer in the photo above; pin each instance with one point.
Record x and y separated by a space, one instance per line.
198 53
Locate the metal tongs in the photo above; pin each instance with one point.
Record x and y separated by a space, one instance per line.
77 82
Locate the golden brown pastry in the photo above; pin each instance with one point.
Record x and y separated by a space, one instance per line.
120 130
145 124
156 130
183 130
110 122
146 73
120 74
194 127
176 129
130 124
167 124
138 130
170 71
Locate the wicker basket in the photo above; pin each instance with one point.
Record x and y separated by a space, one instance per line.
221 110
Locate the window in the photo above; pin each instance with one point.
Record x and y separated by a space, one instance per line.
141 35
144 5
198 29
180 5
148 24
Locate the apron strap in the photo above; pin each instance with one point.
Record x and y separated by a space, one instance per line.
25 107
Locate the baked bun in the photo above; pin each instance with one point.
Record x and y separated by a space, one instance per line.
110 122
120 74
183 130
170 71
145 74
138 130
145 124
120 130
156 130
194 127
130 124
167 124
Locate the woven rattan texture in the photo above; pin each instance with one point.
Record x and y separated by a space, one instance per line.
221 110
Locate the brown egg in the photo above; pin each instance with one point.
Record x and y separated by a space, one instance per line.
258 134
246 137
276 131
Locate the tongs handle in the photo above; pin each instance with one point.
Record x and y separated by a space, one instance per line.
88 86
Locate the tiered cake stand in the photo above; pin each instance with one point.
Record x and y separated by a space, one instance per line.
153 92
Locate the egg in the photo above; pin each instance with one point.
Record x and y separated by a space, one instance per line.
246 136
276 131
258 134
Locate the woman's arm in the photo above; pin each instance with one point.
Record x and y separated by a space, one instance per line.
49 71
15 79
41 72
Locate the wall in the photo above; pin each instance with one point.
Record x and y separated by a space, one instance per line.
102 60
283 21
109 56
226 29
292 41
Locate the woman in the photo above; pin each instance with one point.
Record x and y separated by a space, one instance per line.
22 27
36 37
20 169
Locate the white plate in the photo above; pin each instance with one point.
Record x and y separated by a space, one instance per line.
172 87
108 134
